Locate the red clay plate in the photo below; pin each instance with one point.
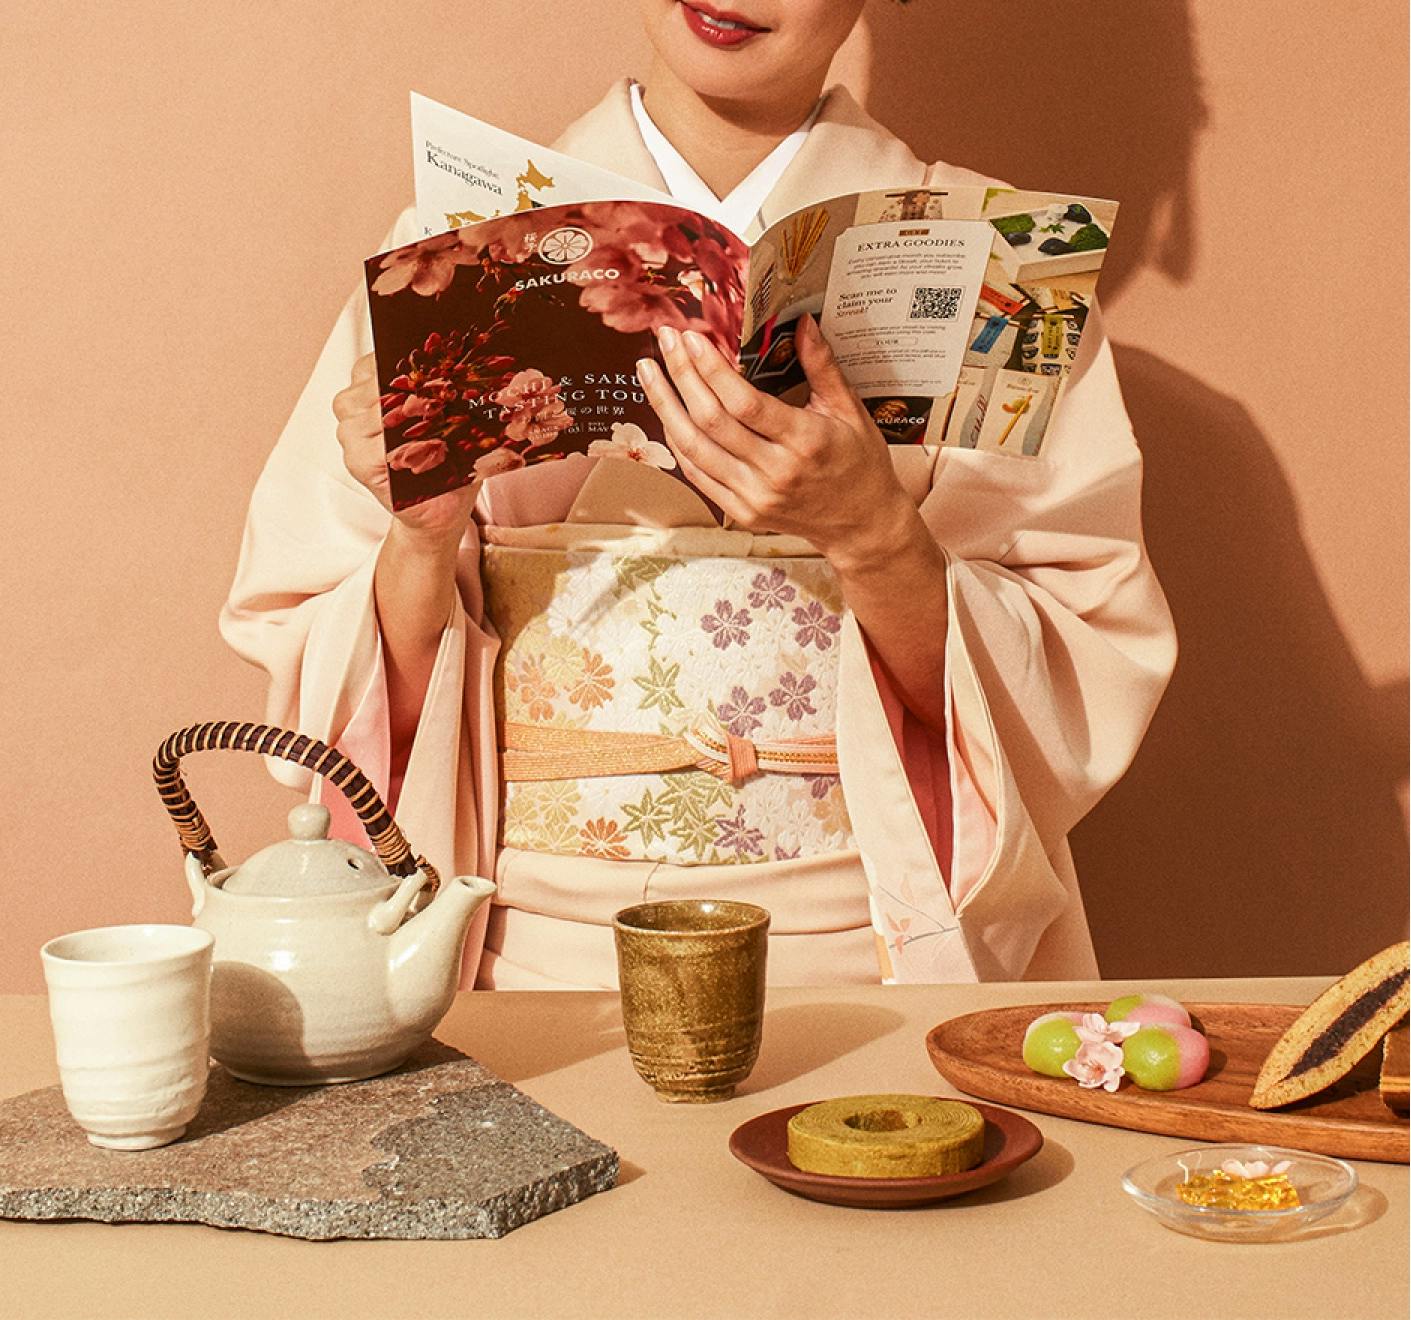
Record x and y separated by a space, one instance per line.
763 1144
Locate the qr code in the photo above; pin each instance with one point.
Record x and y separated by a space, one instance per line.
935 304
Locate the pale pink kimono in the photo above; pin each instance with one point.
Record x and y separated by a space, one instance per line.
1059 645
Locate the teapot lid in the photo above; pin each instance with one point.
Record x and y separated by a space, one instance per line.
309 863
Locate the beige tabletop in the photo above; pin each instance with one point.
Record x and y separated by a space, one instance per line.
691 1232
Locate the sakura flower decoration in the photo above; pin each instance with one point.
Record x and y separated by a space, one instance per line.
510 244
408 407
639 235
681 272
498 461
1096 1065
792 694
819 786
727 625
630 441
817 626
740 715
417 456
771 590
1097 1030
531 408
637 300
1254 1168
426 268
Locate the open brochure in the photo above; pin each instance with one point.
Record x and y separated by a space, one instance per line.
508 335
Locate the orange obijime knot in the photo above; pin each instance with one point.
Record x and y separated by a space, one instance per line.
736 759
533 752
744 761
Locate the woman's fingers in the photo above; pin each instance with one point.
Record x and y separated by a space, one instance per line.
365 457
829 391
686 439
358 408
733 508
361 421
359 404
750 407
707 409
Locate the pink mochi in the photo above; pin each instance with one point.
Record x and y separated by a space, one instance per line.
1195 1055
1162 1057
1157 1013
1148 1008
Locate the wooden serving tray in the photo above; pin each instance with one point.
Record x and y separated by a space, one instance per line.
981 1053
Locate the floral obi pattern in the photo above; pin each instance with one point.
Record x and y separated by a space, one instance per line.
707 650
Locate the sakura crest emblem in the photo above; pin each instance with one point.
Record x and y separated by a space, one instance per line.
565 244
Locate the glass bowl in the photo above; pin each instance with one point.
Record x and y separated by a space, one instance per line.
1323 1185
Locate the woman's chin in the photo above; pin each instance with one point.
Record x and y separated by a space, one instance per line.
741 75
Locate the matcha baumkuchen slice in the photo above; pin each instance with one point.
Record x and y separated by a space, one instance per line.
887 1136
1337 1030
1395 1085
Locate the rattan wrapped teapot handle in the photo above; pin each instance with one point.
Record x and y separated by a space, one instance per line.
226 735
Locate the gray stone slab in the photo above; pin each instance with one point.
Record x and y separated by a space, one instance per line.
440 1148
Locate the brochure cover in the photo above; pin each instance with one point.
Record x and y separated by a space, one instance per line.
512 339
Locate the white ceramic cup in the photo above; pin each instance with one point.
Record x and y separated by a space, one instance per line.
131 1008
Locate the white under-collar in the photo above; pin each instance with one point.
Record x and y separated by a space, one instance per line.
737 210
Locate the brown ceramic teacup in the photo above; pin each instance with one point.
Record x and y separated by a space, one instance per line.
692 978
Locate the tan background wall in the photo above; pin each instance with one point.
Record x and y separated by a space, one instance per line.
187 192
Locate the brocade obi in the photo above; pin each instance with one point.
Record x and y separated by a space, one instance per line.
667 707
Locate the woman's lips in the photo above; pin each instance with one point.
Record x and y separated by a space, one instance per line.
718 27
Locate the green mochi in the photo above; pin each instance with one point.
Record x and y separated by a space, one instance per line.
1049 1045
1152 1058
1119 1008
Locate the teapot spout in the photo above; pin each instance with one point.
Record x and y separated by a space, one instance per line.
423 962
196 883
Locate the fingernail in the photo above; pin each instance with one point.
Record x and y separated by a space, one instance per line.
806 326
646 371
695 344
666 337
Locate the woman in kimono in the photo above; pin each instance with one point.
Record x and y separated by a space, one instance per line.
875 702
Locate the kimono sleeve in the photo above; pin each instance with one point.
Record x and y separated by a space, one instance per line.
302 609
1060 646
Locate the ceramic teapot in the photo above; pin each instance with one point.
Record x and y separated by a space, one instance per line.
324 970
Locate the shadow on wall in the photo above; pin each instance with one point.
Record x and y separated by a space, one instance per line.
1259 831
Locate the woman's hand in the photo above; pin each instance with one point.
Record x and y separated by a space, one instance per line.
821 472
359 412
414 583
